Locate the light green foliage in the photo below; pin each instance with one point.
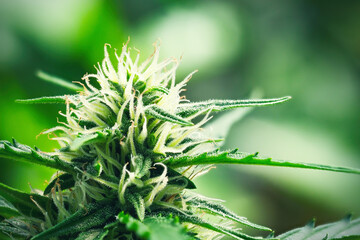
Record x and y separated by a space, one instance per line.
20 152
190 109
58 81
343 229
130 148
55 99
219 210
235 157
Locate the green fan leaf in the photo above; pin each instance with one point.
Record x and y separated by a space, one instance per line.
23 153
23 201
154 228
188 218
233 157
343 229
7 210
95 234
44 100
92 216
65 181
58 81
189 109
220 210
161 114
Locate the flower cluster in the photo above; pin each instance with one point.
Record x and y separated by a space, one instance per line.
130 146
119 130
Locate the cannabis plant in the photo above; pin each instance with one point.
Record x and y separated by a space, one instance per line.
130 148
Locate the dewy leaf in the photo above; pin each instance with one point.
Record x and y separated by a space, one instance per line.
94 215
218 209
23 203
7 210
58 81
44 100
189 109
343 229
161 114
154 228
20 152
65 181
225 157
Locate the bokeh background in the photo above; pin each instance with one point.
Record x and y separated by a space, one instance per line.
309 49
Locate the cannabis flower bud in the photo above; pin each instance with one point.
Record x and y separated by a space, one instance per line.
125 127
130 147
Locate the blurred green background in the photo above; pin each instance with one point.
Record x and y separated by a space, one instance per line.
309 49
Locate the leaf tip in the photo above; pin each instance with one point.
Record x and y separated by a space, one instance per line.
271 235
348 217
311 223
20 100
